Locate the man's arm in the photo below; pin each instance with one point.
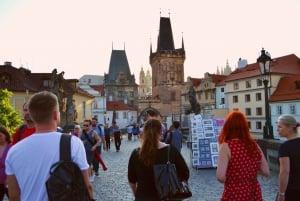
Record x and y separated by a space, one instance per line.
88 184
13 190
97 138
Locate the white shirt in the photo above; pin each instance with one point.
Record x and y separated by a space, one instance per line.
30 161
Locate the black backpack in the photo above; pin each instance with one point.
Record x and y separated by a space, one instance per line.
66 181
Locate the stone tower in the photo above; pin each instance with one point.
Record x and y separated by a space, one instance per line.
167 69
119 82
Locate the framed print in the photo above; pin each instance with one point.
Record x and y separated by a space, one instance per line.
208 129
195 162
209 135
214 159
194 138
196 154
195 146
207 122
214 148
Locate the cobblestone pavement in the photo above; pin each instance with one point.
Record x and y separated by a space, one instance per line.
112 185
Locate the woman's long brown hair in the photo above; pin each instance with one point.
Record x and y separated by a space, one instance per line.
150 139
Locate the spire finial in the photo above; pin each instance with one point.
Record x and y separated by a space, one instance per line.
169 13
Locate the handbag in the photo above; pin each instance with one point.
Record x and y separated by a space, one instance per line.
167 183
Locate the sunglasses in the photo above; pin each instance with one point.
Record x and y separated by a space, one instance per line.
85 125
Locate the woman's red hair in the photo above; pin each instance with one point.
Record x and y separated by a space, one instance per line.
236 127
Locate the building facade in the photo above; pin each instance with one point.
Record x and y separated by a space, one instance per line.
74 103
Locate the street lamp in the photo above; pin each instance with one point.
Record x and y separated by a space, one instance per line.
264 66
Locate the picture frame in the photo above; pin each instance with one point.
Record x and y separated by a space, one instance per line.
196 154
195 146
214 148
214 159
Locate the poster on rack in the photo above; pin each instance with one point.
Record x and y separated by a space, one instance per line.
204 137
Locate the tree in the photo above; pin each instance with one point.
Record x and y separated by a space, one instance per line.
9 117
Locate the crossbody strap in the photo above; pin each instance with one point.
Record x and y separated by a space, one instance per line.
168 156
65 147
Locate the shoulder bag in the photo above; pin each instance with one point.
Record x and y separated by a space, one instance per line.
167 183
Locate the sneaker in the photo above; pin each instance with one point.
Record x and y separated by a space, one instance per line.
92 178
97 174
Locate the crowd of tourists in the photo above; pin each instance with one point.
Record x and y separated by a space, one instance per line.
240 158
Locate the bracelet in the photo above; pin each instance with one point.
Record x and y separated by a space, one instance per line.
281 194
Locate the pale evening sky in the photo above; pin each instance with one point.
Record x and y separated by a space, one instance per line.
76 36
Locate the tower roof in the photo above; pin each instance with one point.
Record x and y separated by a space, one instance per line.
165 38
118 63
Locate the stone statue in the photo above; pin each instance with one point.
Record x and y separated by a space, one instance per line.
57 87
195 106
70 110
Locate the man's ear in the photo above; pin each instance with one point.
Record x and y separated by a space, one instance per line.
56 115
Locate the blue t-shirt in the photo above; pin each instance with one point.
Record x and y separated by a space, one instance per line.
176 140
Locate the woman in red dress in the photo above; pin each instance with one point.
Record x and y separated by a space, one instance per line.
240 160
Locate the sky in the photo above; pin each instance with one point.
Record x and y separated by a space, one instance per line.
77 36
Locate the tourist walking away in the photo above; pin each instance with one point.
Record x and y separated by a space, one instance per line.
107 135
135 131
114 129
25 129
240 160
166 133
26 179
289 159
175 136
129 132
4 147
90 141
97 128
152 151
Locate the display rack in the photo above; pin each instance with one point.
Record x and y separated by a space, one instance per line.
204 141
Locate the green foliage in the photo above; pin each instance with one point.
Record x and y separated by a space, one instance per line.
9 117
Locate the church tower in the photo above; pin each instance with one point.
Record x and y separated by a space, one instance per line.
145 85
167 64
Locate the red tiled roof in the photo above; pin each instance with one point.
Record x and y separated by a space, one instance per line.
118 105
217 78
286 89
196 81
99 88
289 65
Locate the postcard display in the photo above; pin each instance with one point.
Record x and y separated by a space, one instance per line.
204 137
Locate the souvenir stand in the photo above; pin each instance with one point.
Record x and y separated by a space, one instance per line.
204 138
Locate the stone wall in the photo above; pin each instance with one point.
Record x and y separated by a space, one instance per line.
270 149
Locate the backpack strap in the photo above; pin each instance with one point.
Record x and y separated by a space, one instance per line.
65 147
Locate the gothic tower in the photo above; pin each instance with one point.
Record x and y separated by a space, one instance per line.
119 82
167 69
145 85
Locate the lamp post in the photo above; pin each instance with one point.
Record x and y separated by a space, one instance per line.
264 66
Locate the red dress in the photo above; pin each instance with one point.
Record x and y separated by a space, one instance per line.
241 177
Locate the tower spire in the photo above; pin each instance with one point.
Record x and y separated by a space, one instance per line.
182 43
